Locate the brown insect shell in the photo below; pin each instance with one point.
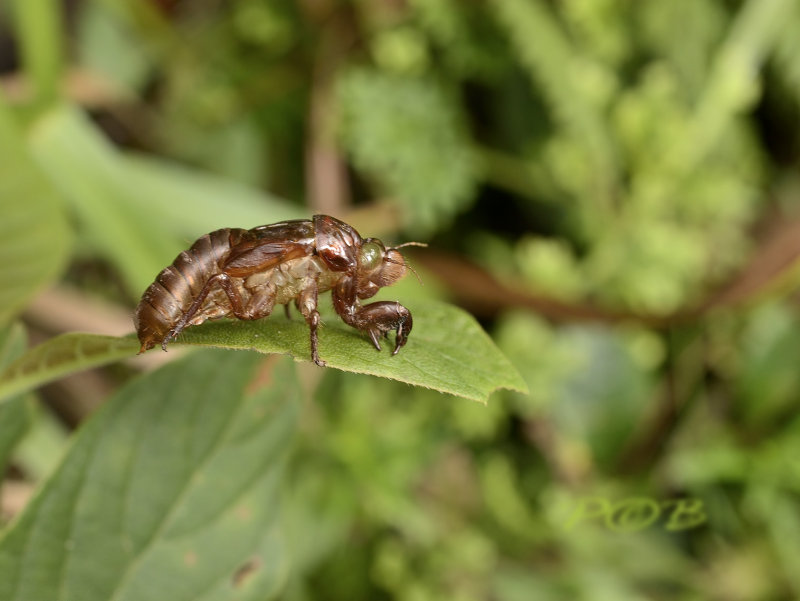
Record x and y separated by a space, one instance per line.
338 244
341 247
283 254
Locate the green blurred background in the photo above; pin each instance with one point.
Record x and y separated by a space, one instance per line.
611 186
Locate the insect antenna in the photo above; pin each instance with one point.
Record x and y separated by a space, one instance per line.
422 244
405 263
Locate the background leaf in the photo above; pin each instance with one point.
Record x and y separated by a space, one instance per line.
180 475
34 236
15 414
201 202
140 213
60 356
39 26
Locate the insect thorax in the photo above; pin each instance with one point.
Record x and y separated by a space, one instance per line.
289 278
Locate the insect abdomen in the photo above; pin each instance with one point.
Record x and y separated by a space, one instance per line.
172 293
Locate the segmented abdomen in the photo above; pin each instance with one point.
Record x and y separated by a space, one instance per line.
175 288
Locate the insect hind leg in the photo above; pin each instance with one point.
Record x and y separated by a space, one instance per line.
234 297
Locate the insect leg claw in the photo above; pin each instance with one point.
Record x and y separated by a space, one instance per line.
379 318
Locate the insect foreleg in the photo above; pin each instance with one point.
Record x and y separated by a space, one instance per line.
383 316
376 319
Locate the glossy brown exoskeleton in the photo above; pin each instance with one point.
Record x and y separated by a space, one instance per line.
245 273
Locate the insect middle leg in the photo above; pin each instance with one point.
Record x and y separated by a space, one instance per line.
307 303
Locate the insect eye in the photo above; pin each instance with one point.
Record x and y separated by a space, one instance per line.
371 255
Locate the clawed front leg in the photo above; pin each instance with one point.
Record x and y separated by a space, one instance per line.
376 319
380 318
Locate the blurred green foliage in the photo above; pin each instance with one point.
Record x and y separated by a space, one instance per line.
622 159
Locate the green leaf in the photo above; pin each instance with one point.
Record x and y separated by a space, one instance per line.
108 44
15 419
60 356
15 416
170 492
446 351
34 236
86 168
194 206
38 28
12 344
